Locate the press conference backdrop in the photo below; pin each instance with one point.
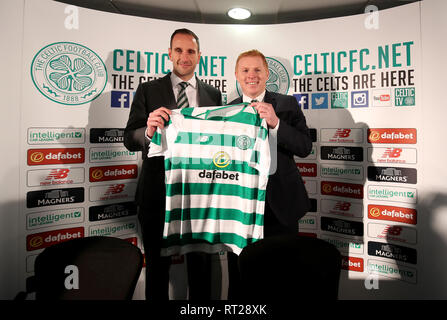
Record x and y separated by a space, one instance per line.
365 84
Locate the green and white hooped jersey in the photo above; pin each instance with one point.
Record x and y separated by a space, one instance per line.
217 162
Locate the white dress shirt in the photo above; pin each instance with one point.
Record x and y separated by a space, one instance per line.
191 92
272 131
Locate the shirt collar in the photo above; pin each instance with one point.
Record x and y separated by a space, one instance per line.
260 98
175 80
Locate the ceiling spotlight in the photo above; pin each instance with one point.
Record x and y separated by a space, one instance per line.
239 13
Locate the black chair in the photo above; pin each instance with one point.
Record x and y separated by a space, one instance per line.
289 267
106 268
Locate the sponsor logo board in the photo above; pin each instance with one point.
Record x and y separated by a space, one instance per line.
392 270
117 191
352 263
52 177
392 233
344 208
341 171
107 173
309 221
392 174
345 227
112 154
51 218
116 229
38 157
339 189
392 251
395 194
341 153
106 135
307 169
53 197
342 135
46 239
391 213
349 246
392 155
392 135
56 135
112 211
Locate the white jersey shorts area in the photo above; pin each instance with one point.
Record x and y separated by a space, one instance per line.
217 162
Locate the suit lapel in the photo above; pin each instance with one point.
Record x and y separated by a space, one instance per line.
270 98
204 97
167 92
237 101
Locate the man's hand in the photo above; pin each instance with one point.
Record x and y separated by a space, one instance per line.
157 120
266 112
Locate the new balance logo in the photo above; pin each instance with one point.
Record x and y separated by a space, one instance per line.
342 133
58 174
114 189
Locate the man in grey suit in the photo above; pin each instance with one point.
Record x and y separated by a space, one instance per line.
150 108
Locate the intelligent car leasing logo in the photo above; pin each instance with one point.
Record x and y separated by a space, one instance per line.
68 73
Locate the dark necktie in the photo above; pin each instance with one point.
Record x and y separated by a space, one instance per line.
254 100
182 100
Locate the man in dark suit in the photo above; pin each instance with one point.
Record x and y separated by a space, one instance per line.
286 197
150 108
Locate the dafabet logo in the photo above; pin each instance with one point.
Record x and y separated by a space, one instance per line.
36 157
348 190
392 135
391 213
45 239
113 173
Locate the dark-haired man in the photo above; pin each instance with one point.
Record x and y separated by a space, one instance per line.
151 106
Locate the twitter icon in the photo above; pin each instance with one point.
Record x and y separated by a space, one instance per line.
320 101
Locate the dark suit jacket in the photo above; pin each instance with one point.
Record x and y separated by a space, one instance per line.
148 97
286 193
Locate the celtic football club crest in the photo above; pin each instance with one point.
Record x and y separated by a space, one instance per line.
68 73
243 142
278 81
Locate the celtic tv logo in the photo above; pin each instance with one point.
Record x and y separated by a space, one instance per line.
68 73
278 81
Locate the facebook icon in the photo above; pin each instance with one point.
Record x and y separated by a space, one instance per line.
303 100
120 99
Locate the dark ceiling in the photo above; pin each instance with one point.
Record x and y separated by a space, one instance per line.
214 11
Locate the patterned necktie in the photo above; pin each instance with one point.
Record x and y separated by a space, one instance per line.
182 100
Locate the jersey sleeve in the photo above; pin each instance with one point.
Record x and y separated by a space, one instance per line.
164 138
260 156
